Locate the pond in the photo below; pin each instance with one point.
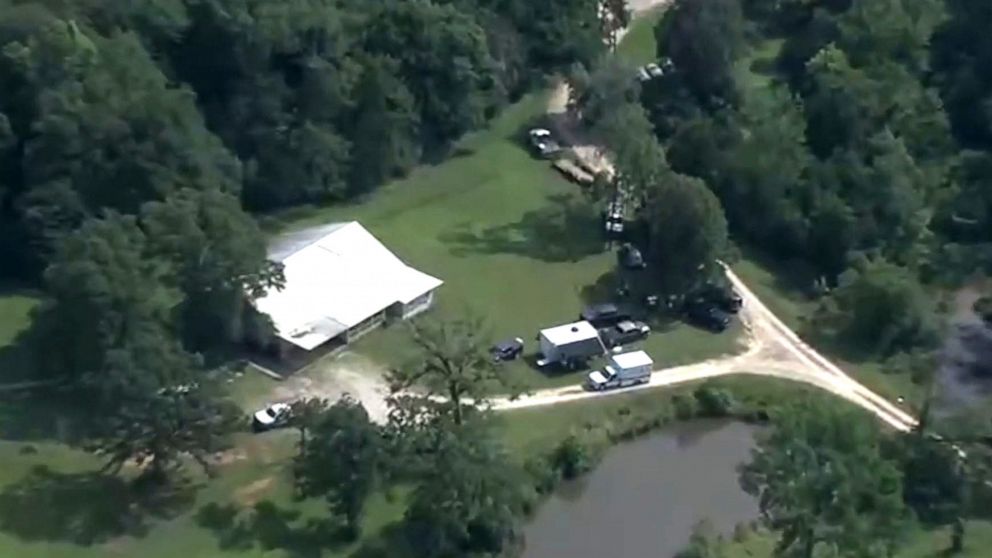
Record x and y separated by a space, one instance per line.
643 500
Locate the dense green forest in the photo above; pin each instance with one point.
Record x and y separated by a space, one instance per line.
107 106
853 138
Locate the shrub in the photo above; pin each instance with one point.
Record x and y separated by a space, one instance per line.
685 407
713 402
571 458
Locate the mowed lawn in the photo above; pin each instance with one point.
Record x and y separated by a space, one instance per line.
516 245
638 46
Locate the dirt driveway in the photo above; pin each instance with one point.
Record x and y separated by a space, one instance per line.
334 376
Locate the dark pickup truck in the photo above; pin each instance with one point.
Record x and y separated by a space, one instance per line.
623 333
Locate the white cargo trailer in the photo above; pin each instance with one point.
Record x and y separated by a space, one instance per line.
622 370
569 344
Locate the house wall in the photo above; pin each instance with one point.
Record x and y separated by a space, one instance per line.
418 305
366 326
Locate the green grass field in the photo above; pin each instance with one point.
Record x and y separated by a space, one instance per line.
514 243
639 46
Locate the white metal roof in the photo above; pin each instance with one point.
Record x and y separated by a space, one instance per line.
632 360
336 277
570 333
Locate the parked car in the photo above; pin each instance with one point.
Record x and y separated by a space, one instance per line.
543 142
643 75
723 297
613 219
603 315
654 70
273 416
625 332
629 257
507 350
708 316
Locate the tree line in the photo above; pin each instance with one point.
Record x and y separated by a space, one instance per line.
850 138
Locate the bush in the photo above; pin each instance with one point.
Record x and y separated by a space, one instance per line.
571 458
983 307
685 407
713 402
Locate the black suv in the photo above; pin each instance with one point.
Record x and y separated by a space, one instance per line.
603 315
723 297
507 350
708 316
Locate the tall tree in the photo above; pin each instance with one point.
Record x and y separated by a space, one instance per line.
218 258
452 363
687 232
822 481
469 499
341 460
103 288
704 40
155 407
386 129
879 308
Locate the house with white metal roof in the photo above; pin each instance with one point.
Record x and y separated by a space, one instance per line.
340 283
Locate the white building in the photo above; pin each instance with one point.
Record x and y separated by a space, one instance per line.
340 283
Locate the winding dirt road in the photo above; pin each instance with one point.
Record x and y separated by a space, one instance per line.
772 350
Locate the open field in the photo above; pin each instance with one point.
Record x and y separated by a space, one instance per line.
515 243
639 46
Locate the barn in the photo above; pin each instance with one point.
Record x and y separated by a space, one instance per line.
341 282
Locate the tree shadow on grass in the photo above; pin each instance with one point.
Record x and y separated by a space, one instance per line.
86 508
565 230
270 527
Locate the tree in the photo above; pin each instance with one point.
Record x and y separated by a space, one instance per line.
103 289
453 363
936 486
218 260
763 184
881 309
445 60
704 40
341 461
607 88
469 499
822 481
386 127
304 415
614 17
154 406
687 232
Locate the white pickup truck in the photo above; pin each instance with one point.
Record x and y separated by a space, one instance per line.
622 370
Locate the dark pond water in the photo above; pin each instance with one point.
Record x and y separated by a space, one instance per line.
965 375
645 497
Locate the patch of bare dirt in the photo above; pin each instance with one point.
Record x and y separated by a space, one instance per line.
252 493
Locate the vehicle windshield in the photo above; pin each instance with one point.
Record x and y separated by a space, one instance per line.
271 412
